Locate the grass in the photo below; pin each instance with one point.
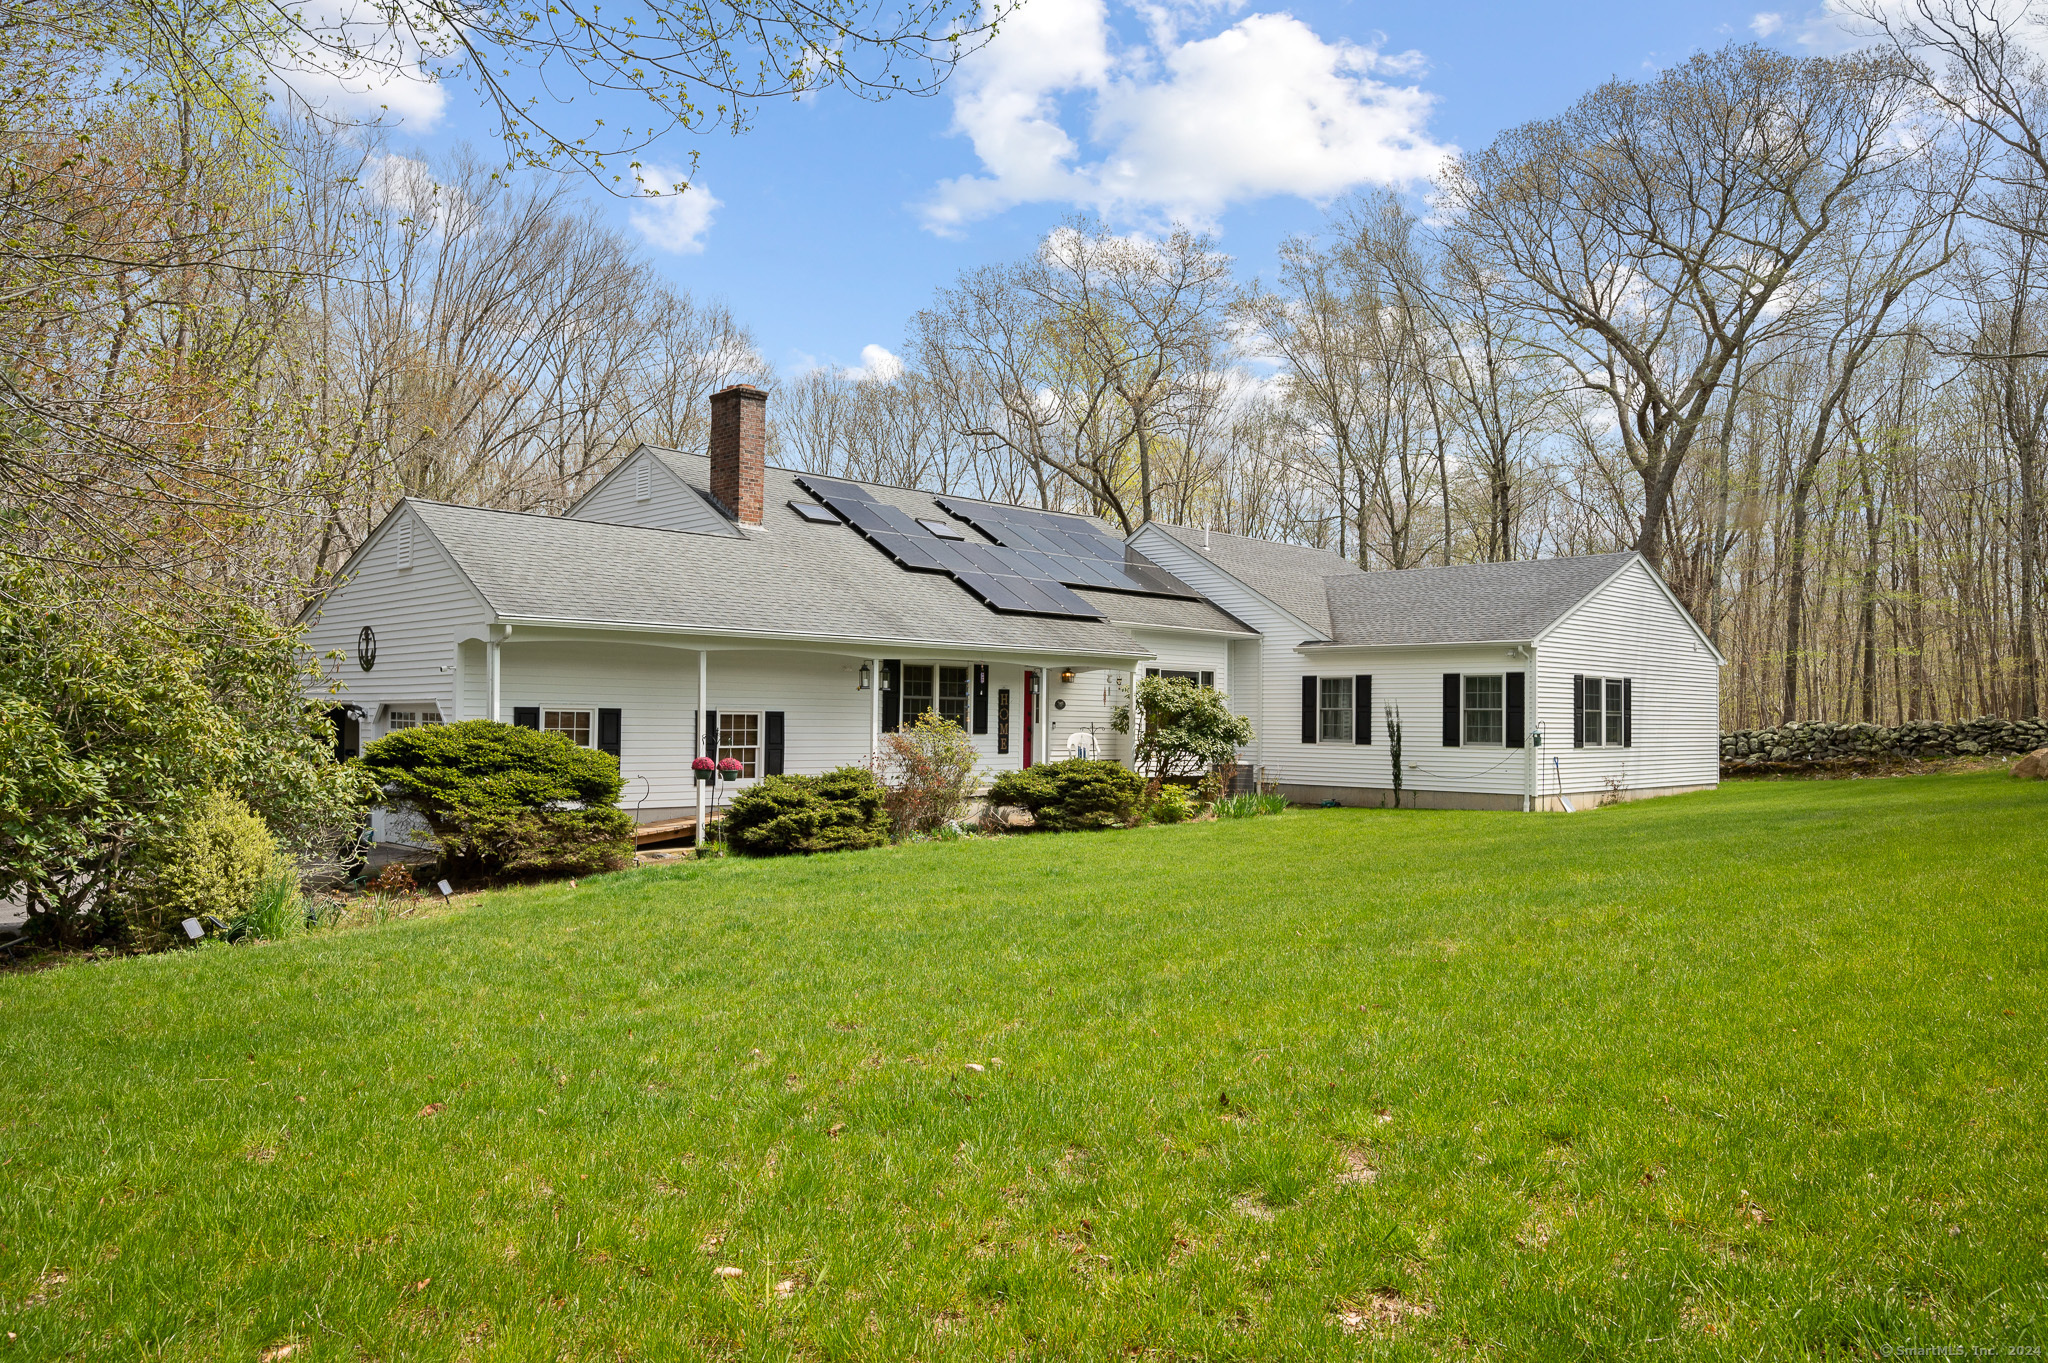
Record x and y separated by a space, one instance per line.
1748 1074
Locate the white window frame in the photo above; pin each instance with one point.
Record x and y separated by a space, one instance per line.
415 716
574 708
1594 725
1466 708
965 698
1343 732
750 767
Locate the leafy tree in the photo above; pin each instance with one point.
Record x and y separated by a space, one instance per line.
115 719
506 800
1190 730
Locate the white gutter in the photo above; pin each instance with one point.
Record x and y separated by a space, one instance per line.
860 644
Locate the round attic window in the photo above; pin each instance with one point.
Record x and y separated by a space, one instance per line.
366 648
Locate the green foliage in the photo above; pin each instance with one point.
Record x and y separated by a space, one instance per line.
1172 806
844 810
118 718
1249 806
1078 793
931 765
1190 730
212 862
503 800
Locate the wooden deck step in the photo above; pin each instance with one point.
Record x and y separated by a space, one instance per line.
665 830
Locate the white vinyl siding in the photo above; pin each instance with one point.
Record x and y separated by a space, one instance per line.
1629 629
419 613
644 491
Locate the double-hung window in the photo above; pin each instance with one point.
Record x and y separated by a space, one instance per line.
953 695
918 685
574 725
1334 712
394 720
739 738
1485 708
1602 711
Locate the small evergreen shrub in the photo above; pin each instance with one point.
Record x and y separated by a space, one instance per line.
503 800
1075 794
844 810
212 862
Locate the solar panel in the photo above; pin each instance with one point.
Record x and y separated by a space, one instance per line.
812 512
1001 577
1068 549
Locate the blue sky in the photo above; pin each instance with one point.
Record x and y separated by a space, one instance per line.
835 219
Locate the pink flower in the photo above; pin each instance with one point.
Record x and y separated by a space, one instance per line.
730 764
703 764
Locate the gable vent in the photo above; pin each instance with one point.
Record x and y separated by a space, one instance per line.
643 481
405 544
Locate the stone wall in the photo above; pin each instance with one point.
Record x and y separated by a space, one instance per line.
1870 744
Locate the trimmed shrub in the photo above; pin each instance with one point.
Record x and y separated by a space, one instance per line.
213 862
503 800
1075 794
844 810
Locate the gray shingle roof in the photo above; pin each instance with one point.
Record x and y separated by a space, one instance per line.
1475 603
1291 576
787 578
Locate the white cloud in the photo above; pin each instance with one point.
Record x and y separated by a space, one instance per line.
1180 128
674 221
350 62
1764 25
876 362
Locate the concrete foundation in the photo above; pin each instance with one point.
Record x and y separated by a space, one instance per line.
1382 797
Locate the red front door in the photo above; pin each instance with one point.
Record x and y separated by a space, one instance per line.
1030 712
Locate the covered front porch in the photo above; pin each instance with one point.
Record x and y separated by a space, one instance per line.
660 699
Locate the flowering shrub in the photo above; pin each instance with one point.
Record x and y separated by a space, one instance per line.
929 767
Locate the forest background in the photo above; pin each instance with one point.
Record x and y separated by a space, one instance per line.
1771 320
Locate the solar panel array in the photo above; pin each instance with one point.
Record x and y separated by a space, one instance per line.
1068 549
1003 578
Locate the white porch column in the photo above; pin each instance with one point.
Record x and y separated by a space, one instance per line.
494 665
1532 716
697 744
875 714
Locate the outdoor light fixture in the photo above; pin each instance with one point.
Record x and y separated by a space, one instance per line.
1066 674
866 677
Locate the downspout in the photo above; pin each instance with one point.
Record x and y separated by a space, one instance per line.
875 718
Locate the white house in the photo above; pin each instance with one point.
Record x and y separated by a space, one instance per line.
713 603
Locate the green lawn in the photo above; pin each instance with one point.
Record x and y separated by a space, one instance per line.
1747 1074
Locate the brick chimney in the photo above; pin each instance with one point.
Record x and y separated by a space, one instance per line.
739 449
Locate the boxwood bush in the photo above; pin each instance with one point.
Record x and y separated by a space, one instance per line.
1074 794
843 810
503 800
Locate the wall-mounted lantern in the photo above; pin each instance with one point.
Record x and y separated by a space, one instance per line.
867 676
1066 674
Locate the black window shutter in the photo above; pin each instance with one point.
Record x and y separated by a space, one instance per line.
1454 708
1515 720
981 698
1578 710
608 731
1308 709
711 734
1361 709
1628 712
526 716
892 695
771 743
